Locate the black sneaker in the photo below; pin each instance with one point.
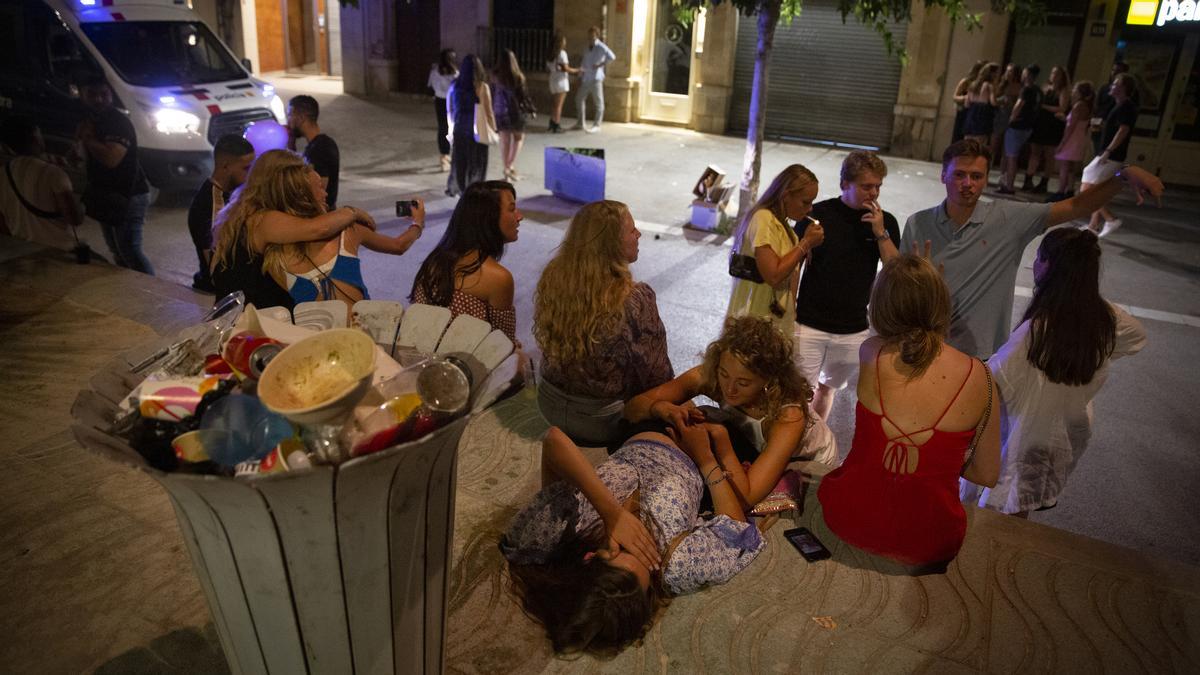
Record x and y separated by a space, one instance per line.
1027 186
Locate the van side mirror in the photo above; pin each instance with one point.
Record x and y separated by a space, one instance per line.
247 65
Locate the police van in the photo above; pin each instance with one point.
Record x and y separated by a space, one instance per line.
179 84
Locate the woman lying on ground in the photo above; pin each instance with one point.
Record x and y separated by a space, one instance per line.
1049 371
601 337
927 413
749 372
463 272
596 555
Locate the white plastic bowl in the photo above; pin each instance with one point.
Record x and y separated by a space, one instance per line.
319 379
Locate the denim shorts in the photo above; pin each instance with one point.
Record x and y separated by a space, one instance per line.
1014 140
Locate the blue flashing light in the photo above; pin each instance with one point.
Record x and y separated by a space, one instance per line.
88 3
166 100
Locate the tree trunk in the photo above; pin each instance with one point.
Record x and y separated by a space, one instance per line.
768 18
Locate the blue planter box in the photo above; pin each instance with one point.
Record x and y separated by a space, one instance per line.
575 173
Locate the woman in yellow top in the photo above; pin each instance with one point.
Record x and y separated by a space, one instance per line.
778 250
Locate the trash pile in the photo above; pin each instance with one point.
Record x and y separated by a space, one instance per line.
244 395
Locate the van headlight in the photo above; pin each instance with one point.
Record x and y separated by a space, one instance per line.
277 110
171 121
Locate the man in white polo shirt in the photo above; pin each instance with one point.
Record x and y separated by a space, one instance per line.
595 58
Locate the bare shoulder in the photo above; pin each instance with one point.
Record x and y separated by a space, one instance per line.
495 284
869 349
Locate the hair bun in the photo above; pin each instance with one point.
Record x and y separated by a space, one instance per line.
919 346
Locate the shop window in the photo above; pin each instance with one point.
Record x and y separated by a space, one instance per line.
1187 112
1152 64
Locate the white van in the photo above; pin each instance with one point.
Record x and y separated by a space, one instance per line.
180 85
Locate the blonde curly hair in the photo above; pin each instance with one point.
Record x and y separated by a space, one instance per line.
278 181
764 350
580 299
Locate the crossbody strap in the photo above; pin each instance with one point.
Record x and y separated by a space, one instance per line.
987 413
49 215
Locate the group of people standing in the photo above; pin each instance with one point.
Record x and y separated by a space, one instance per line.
1055 124
597 553
475 108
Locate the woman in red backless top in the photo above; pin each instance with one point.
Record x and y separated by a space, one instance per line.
921 403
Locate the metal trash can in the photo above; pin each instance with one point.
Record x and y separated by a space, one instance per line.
338 569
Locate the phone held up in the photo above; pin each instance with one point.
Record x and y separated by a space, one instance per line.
404 208
807 543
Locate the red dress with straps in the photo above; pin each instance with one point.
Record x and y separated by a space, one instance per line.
897 498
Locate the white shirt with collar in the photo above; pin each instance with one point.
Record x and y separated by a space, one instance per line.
594 59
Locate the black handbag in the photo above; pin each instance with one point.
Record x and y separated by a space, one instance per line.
742 266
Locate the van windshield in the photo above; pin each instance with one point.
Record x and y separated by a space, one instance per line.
164 53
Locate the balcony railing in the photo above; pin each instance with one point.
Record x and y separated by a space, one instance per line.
529 44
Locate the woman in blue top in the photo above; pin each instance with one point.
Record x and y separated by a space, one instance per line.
596 555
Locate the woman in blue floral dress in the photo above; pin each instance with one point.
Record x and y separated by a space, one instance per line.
597 554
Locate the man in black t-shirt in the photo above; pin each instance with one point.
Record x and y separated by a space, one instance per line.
1020 126
1114 143
321 152
232 156
831 305
117 193
1105 103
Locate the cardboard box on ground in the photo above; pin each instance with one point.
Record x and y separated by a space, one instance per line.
712 197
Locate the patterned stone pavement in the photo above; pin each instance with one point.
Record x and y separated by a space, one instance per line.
96 577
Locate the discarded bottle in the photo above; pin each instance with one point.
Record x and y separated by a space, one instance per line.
417 401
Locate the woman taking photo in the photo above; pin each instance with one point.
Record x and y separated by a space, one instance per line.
926 414
513 105
595 555
601 338
777 251
560 82
1049 371
469 158
441 76
463 272
276 206
750 373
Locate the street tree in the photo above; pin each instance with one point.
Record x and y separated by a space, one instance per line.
877 14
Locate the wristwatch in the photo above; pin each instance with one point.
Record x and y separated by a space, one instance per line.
881 237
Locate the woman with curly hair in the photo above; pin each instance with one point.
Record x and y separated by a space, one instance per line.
749 371
601 338
777 250
596 555
463 271
926 414
280 206
1049 371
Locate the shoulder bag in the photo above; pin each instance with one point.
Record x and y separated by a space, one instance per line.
742 266
987 413
485 127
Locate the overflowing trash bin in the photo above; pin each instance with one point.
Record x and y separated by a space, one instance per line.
329 551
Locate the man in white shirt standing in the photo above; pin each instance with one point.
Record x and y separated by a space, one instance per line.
595 58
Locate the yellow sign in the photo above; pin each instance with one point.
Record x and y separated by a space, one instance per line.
1162 12
1142 12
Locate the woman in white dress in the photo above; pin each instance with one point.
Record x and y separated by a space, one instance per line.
1049 371
560 84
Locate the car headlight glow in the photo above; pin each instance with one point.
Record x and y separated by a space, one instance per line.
171 121
278 110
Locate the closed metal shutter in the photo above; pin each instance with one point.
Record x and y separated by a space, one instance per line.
827 81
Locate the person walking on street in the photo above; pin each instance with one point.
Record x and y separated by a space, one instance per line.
831 306
512 106
441 76
117 194
468 163
1115 135
595 58
979 244
232 157
37 202
321 152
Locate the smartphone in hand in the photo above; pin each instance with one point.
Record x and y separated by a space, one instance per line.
807 543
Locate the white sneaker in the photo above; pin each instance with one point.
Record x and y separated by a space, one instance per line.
593 129
1111 226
